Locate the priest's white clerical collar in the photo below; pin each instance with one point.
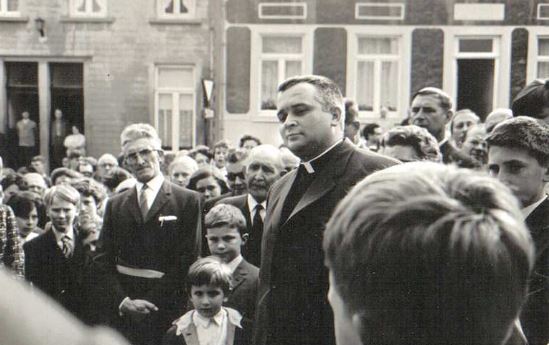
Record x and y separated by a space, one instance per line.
309 167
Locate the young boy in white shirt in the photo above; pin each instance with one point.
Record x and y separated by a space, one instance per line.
209 323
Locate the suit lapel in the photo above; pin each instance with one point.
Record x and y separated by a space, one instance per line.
325 181
239 275
190 335
279 201
161 199
134 206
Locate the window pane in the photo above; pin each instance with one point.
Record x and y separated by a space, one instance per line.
67 75
476 45
269 82
96 6
165 118
365 86
375 45
22 74
389 85
291 45
543 69
169 6
186 120
293 68
80 5
13 5
184 6
175 78
543 47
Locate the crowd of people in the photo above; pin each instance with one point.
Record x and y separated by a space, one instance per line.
434 231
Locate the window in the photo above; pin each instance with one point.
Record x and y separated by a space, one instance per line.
88 8
377 11
9 8
377 73
175 101
543 58
281 57
279 10
176 8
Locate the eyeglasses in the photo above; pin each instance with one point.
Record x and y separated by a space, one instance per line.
233 176
144 153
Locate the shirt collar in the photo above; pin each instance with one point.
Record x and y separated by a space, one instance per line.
529 209
308 164
252 203
154 184
201 321
443 141
59 235
234 263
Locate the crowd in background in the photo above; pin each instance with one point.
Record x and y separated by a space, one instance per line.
233 184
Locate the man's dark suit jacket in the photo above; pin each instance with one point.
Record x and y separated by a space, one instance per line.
59 277
252 249
168 246
244 296
535 314
293 281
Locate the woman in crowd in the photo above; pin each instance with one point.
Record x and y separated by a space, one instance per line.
208 182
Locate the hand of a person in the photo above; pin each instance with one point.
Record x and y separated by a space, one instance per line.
137 309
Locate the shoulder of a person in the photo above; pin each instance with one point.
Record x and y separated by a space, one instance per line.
371 159
233 200
183 192
249 267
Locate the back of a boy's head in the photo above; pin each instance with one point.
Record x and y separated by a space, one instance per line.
430 254
226 215
209 271
524 133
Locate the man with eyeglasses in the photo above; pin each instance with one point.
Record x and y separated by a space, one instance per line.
149 240
264 166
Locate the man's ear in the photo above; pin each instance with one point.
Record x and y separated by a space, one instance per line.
245 238
449 115
546 175
336 117
160 155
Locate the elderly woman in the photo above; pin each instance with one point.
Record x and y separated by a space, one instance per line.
208 182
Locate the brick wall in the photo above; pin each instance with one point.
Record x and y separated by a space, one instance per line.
119 56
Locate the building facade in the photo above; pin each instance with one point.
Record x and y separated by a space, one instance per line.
381 52
106 64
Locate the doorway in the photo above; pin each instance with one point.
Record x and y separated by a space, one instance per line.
476 85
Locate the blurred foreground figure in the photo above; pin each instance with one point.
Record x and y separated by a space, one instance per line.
423 253
30 318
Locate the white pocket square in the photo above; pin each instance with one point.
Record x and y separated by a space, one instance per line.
167 218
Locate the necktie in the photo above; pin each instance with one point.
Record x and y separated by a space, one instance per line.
67 246
143 205
254 244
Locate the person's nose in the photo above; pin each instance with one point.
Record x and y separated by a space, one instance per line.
204 301
221 245
61 214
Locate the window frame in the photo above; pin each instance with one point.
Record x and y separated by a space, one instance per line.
533 58
160 13
258 57
403 35
88 13
175 93
4 9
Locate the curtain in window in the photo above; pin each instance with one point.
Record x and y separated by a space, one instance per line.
269 83
389 85
185 120
365 83
165 118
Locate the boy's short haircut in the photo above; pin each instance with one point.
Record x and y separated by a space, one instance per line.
430 254
525 133
223 214
209 271
63 192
